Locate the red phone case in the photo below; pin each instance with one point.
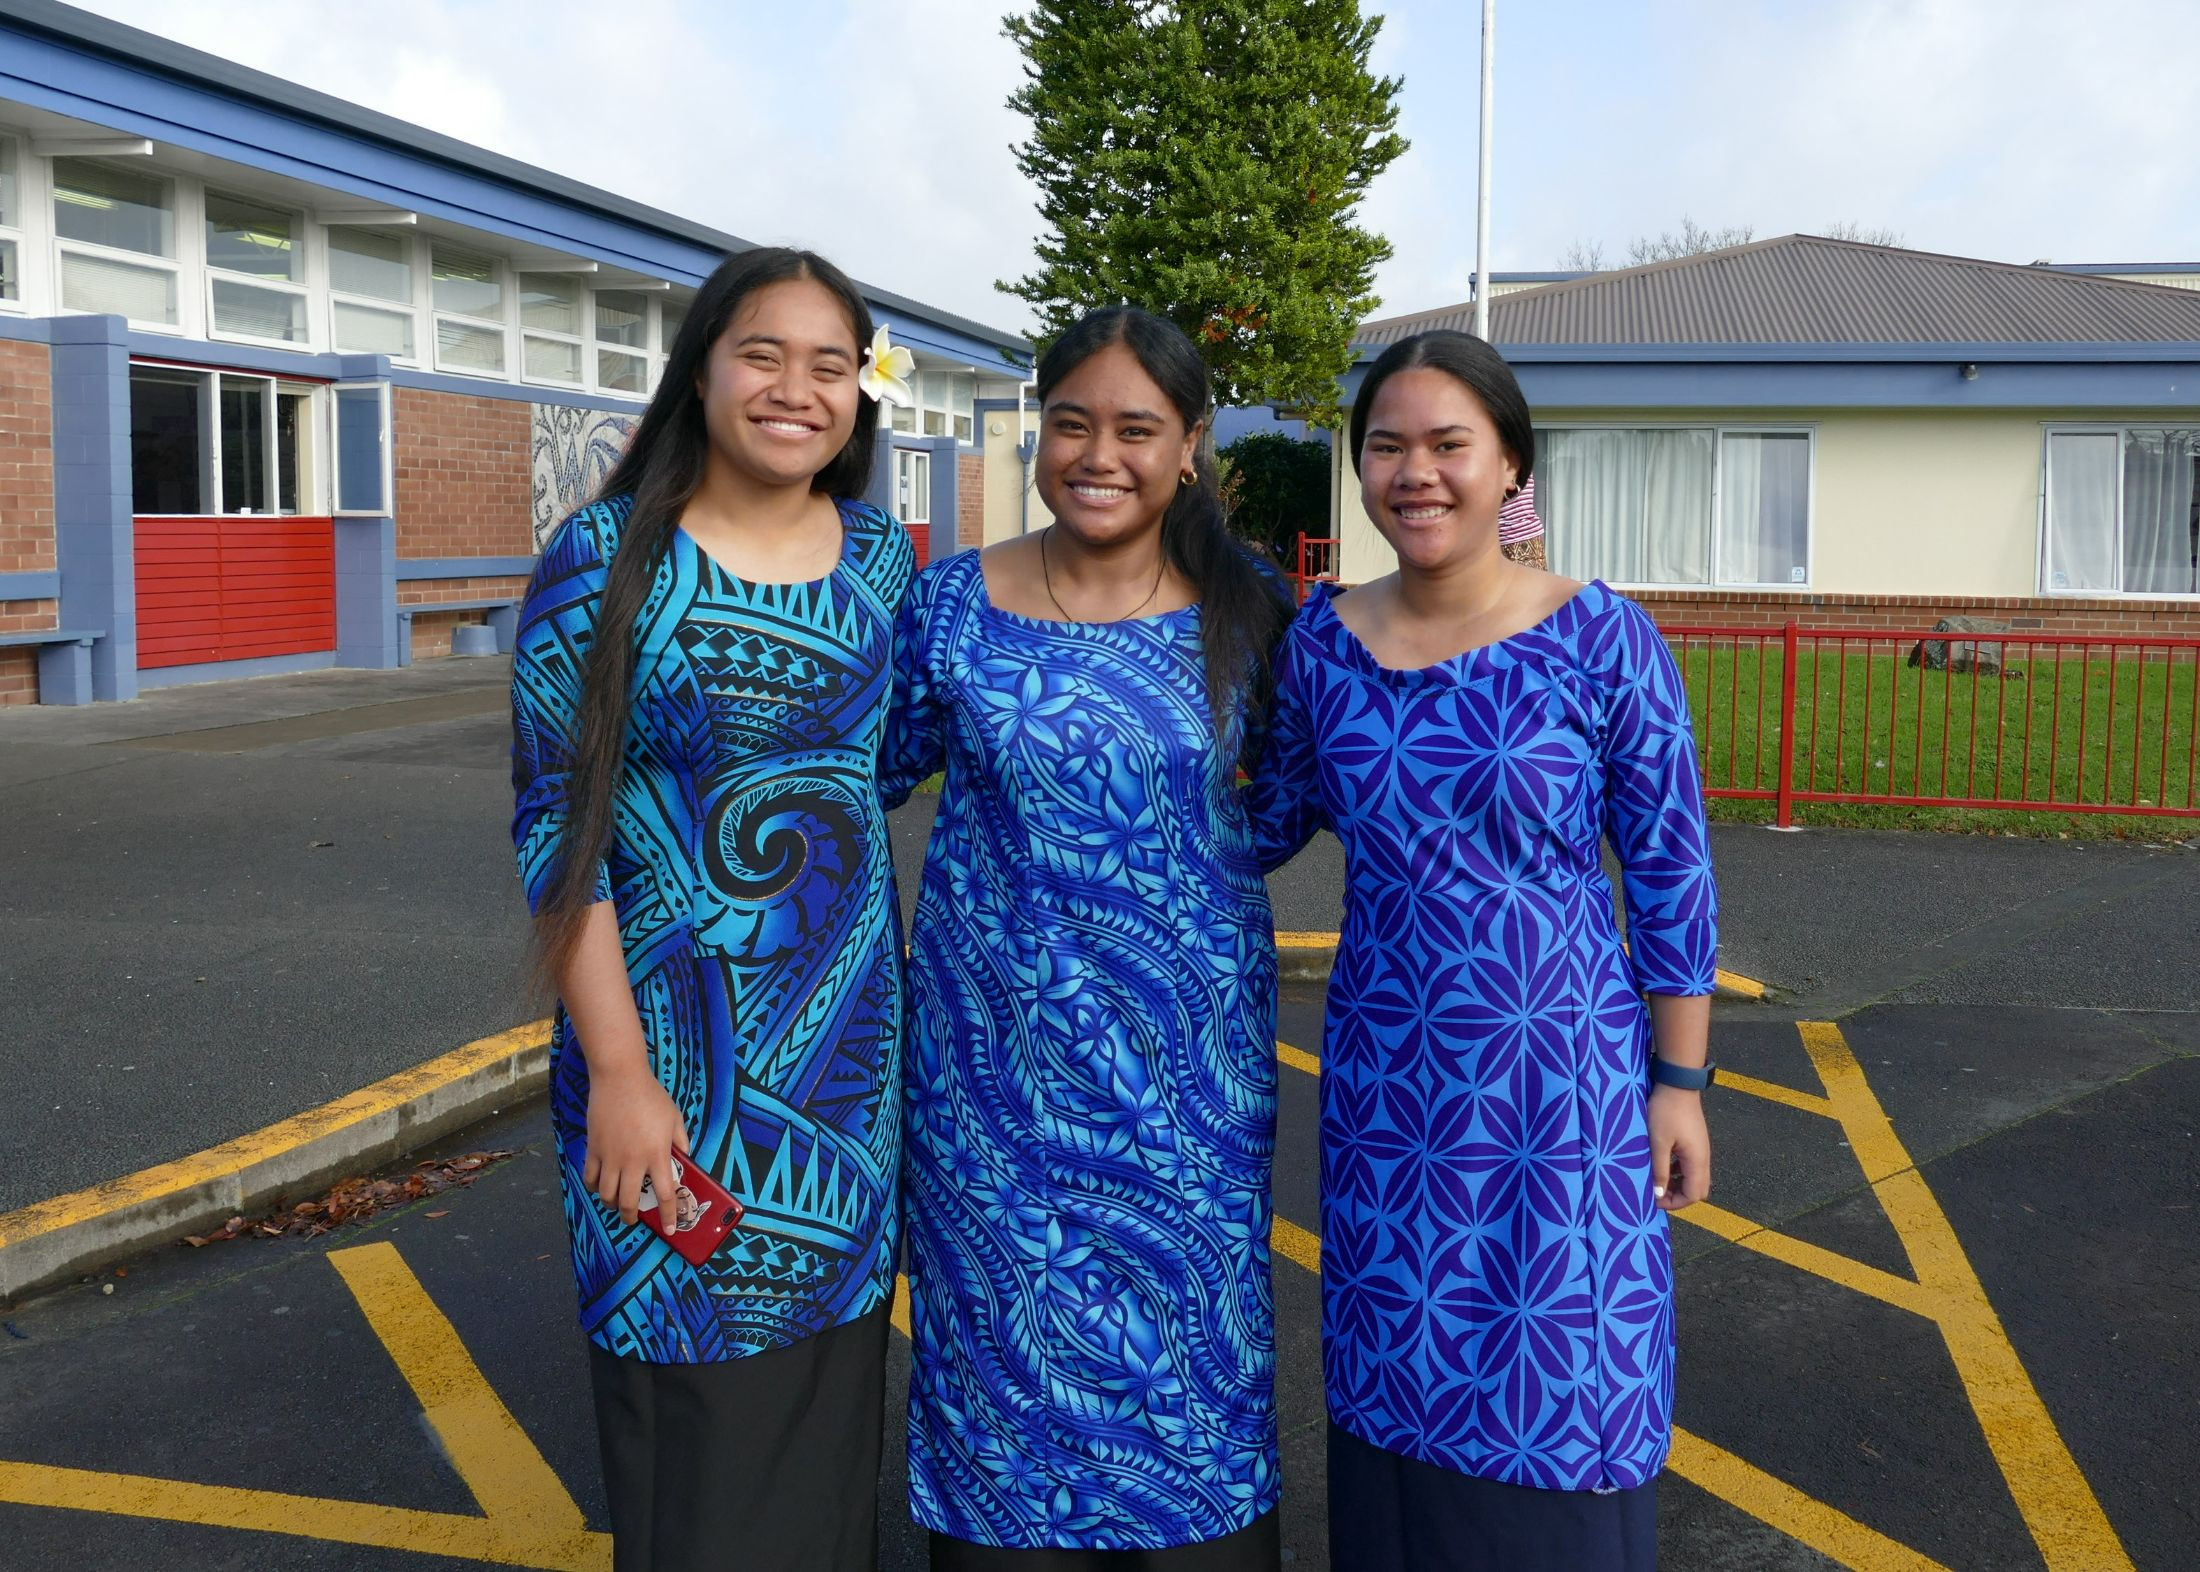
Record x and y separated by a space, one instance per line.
702 1212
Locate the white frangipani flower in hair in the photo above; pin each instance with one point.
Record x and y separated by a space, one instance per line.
887 368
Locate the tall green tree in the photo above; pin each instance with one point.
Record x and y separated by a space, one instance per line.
1203 159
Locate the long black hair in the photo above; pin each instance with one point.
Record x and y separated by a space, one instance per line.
661 469
1243 611
1475 366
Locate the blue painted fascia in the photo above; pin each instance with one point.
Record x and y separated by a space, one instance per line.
30 586
2123 267
67 61
1834 354
26 330
235 357
2060 377
410 569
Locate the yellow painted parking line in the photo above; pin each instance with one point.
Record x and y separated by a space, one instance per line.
1305 941
2058 1506
1827 1530
900 1313
1814 1259
234 1157
528 1518
1298 1058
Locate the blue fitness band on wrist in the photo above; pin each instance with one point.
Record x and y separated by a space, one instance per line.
1679 1076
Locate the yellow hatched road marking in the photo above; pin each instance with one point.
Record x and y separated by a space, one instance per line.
2051 1494
528 1518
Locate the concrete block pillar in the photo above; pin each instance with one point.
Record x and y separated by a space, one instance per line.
366 593
93 533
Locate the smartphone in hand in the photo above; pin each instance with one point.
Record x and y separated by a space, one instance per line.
700 1215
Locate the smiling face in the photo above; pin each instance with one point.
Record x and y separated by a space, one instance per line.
779 385
1433 472
1112 449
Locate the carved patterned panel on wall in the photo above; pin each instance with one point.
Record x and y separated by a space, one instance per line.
574 449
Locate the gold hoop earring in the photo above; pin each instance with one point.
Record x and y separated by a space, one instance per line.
1186 478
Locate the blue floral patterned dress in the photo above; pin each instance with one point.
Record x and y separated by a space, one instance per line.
1091 1085
1497 1288
754 885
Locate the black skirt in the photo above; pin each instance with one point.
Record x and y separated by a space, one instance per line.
1257 1547
1389 1513
766 1462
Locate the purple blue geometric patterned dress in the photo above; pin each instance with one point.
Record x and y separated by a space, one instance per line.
1497 1288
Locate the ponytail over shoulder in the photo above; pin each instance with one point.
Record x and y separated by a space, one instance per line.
660 471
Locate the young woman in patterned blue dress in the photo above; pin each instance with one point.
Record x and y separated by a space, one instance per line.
1510 1100
699 691
1092 1068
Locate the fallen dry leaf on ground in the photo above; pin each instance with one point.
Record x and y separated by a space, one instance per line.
354 1199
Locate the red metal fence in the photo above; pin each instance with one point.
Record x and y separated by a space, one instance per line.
2057 722
1317 563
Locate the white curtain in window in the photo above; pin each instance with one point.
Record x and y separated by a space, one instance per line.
1633 507
2160 469
1764 507
2081 510
101 284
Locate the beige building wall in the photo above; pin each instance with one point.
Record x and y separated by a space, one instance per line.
1362 553
1920 502
1007 512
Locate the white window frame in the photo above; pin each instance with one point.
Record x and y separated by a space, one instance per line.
386 443
1720 430
183 218
916 465
315 493
418 266
579 340
650 352
300 287
2120 430
508 297
13 230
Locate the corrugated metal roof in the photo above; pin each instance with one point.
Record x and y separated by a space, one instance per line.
1802 289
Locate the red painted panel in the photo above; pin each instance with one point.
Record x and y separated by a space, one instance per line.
234 589
920 536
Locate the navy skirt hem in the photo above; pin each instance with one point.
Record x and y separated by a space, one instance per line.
1391 1513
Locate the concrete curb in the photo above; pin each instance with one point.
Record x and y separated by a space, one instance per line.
52 1241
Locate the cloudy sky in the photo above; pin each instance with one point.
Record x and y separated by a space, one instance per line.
875 130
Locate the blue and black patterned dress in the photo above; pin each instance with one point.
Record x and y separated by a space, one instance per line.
1497 1287
1091 1085
754 886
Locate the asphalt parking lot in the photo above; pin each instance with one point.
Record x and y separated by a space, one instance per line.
1939 1312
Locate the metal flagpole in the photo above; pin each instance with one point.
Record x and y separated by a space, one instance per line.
1482 181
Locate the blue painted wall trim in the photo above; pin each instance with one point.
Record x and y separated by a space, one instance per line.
26 330
235 670
2063 387
30 586
946 495
367 628
410 568
91 494
236 357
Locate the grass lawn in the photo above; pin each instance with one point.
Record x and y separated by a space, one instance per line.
2060 727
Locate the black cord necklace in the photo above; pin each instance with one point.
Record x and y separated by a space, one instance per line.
1047 574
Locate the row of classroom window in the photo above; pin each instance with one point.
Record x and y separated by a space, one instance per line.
1680 506
1714 507
268 274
